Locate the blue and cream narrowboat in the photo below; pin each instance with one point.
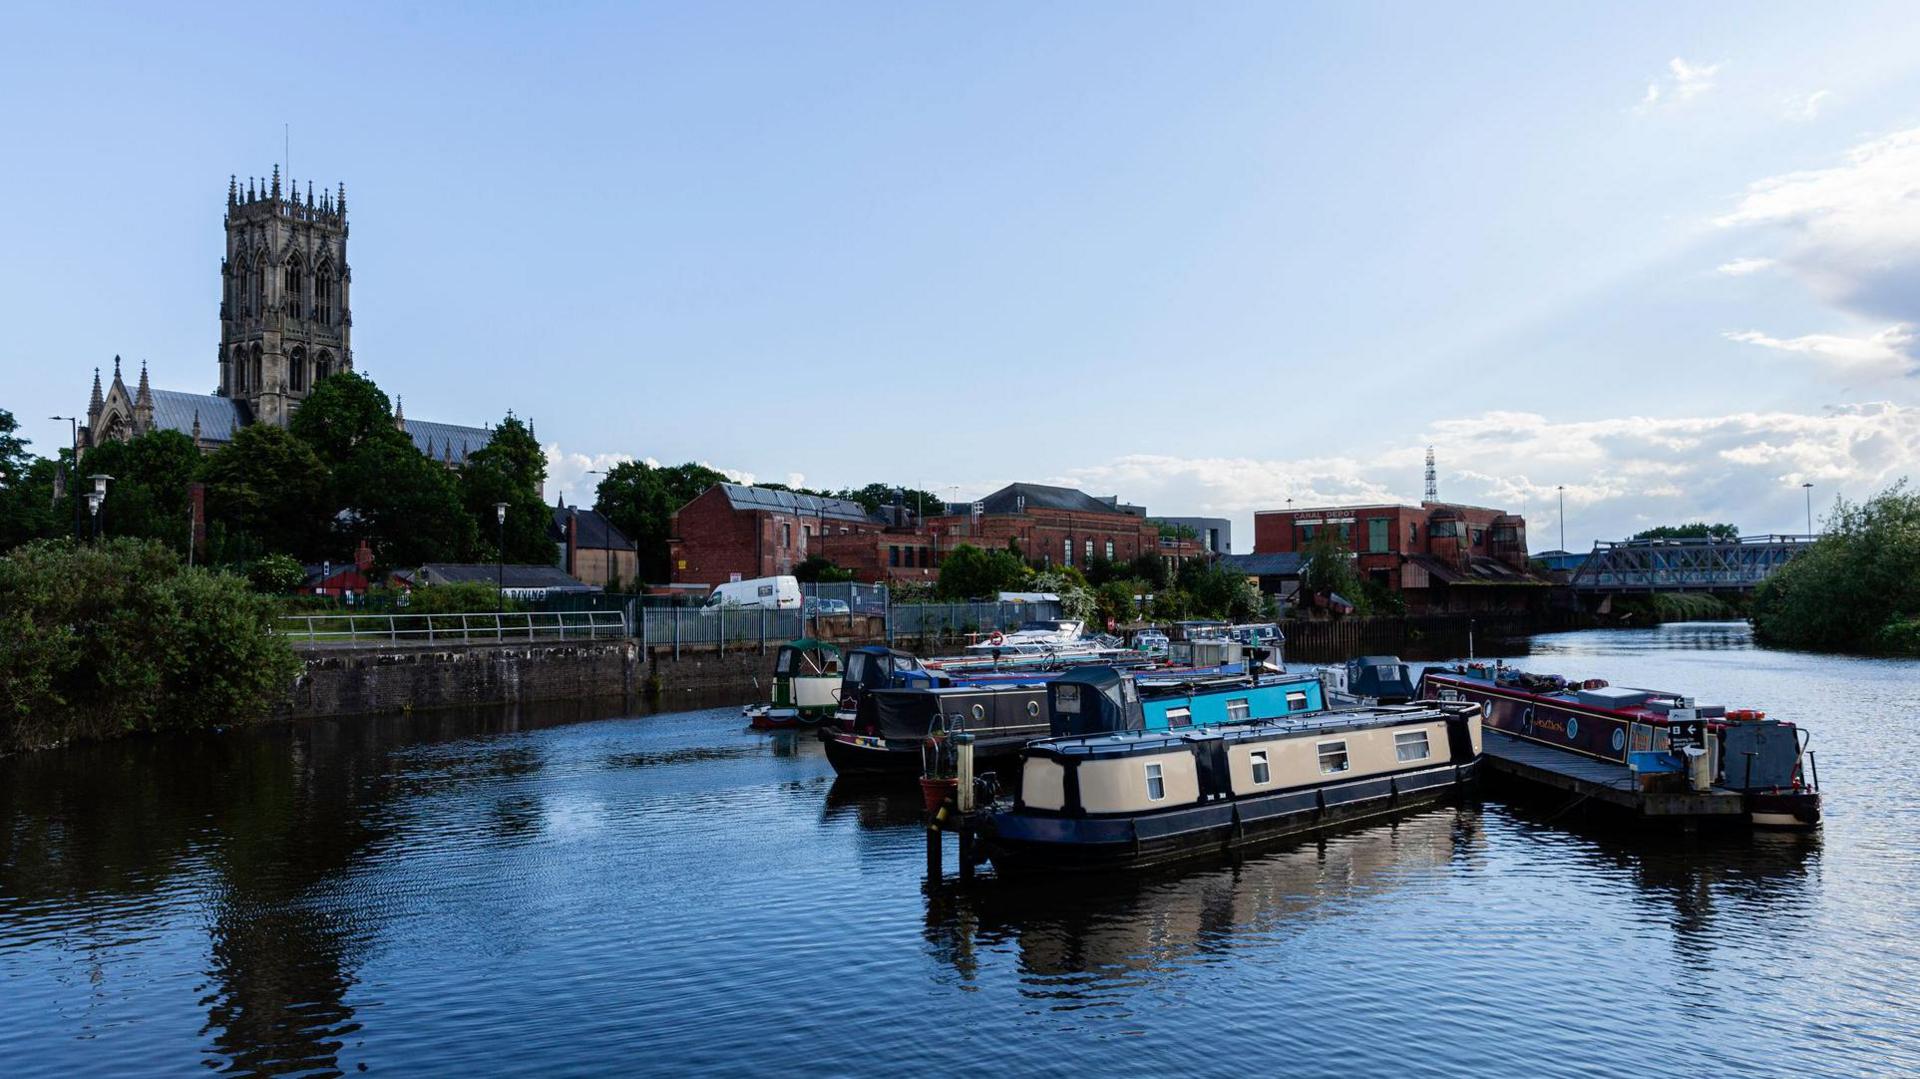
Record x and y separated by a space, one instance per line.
1650 731
1111 794
893 724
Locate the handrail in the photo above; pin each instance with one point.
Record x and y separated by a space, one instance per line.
454 628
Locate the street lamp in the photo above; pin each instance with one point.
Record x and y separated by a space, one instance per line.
95 497
1809 489
1563 517
500 550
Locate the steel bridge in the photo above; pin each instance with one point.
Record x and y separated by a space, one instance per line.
1685 565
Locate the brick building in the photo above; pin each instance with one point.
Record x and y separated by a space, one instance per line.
591 548
1438 555
1057 526
731 529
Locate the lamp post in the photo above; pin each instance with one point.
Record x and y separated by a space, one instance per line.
1563 517
95 497
500 550
1809 489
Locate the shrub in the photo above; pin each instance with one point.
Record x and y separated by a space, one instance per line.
119 637
276 574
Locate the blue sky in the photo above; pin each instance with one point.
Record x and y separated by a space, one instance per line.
1203 257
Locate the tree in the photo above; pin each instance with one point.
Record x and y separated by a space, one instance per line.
510 468
1327 567
1725 533
970 573
148 496
343 412
270 493
1857 589
1076 599
875 495
27 509
1150 568
640 500
818 568
1117 601
407 507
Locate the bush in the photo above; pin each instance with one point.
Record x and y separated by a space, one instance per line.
465 597
1857 589
276 574
119 637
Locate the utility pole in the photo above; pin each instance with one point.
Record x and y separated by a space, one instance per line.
1809 489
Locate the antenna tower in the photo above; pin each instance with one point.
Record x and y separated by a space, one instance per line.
1433 479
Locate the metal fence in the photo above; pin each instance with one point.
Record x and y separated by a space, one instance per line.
956 619
859 598
725 627
316 630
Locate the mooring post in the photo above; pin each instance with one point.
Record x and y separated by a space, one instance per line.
933 849
963 771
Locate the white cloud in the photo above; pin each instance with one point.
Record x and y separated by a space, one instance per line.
1883 353
1741 267
1682 83
567 472
1808 107
1620 474
1850 232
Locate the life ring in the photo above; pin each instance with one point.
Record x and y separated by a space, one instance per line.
996 639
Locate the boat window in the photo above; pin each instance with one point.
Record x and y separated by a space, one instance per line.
783 663
1237 710
1066 698
1333 757
1411 746
1297 701
1261 773
1156 786
1180 717
857 666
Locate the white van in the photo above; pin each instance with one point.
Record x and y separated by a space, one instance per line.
766 593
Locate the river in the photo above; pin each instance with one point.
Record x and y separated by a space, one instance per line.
558 893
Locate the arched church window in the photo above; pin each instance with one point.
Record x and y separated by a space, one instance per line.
255 375
237 370
322 365
323 292
258 302
295 287
297 370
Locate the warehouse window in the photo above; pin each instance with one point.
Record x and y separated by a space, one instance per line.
1109 550
1066 552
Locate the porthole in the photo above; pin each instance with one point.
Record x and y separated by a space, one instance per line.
1619 739
1033 708
979 711
1573 728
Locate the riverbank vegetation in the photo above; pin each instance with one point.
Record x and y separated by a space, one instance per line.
1857 589
105 639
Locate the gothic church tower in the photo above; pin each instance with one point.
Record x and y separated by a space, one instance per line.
285 321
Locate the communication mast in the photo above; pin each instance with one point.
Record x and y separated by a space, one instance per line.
1433 479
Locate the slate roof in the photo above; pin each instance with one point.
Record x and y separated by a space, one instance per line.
434 439
1275 564
552 578
1041 497
596 533
219 416
742 497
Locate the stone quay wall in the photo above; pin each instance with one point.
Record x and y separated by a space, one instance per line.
386 679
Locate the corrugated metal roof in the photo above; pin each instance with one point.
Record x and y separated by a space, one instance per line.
219 416
434 439
742 497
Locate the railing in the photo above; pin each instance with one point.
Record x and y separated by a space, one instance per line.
318 630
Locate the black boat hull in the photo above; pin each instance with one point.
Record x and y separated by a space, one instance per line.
853 755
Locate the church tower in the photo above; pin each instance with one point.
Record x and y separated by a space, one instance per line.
285 321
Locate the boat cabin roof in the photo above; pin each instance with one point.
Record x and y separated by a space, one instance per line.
1128 743
1648 705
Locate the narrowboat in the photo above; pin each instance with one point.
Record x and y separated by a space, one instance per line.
873 667
1655 733
806 686
892 725
1368 680
1110 794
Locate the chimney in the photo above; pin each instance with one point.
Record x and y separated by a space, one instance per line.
363 557
573 544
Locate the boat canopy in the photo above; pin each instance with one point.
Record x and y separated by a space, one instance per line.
878 667
1093 700
1382 678
807 656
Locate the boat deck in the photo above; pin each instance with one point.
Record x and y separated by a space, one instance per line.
1601 781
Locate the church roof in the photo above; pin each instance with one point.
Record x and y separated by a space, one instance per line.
219 416
436 439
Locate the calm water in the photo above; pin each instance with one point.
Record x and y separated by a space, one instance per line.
674 893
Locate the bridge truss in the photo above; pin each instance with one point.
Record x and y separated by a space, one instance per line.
1685 565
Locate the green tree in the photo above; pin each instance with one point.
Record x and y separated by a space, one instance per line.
875 495
1076 599
344 412
148 496
1117 601
276 574
408 508
270 493
102 639
1857 589
1327 567
510 468
970 573
1150 568
1696 530
817 568
27 509
640 500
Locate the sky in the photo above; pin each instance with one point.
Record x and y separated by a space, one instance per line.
1207 258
